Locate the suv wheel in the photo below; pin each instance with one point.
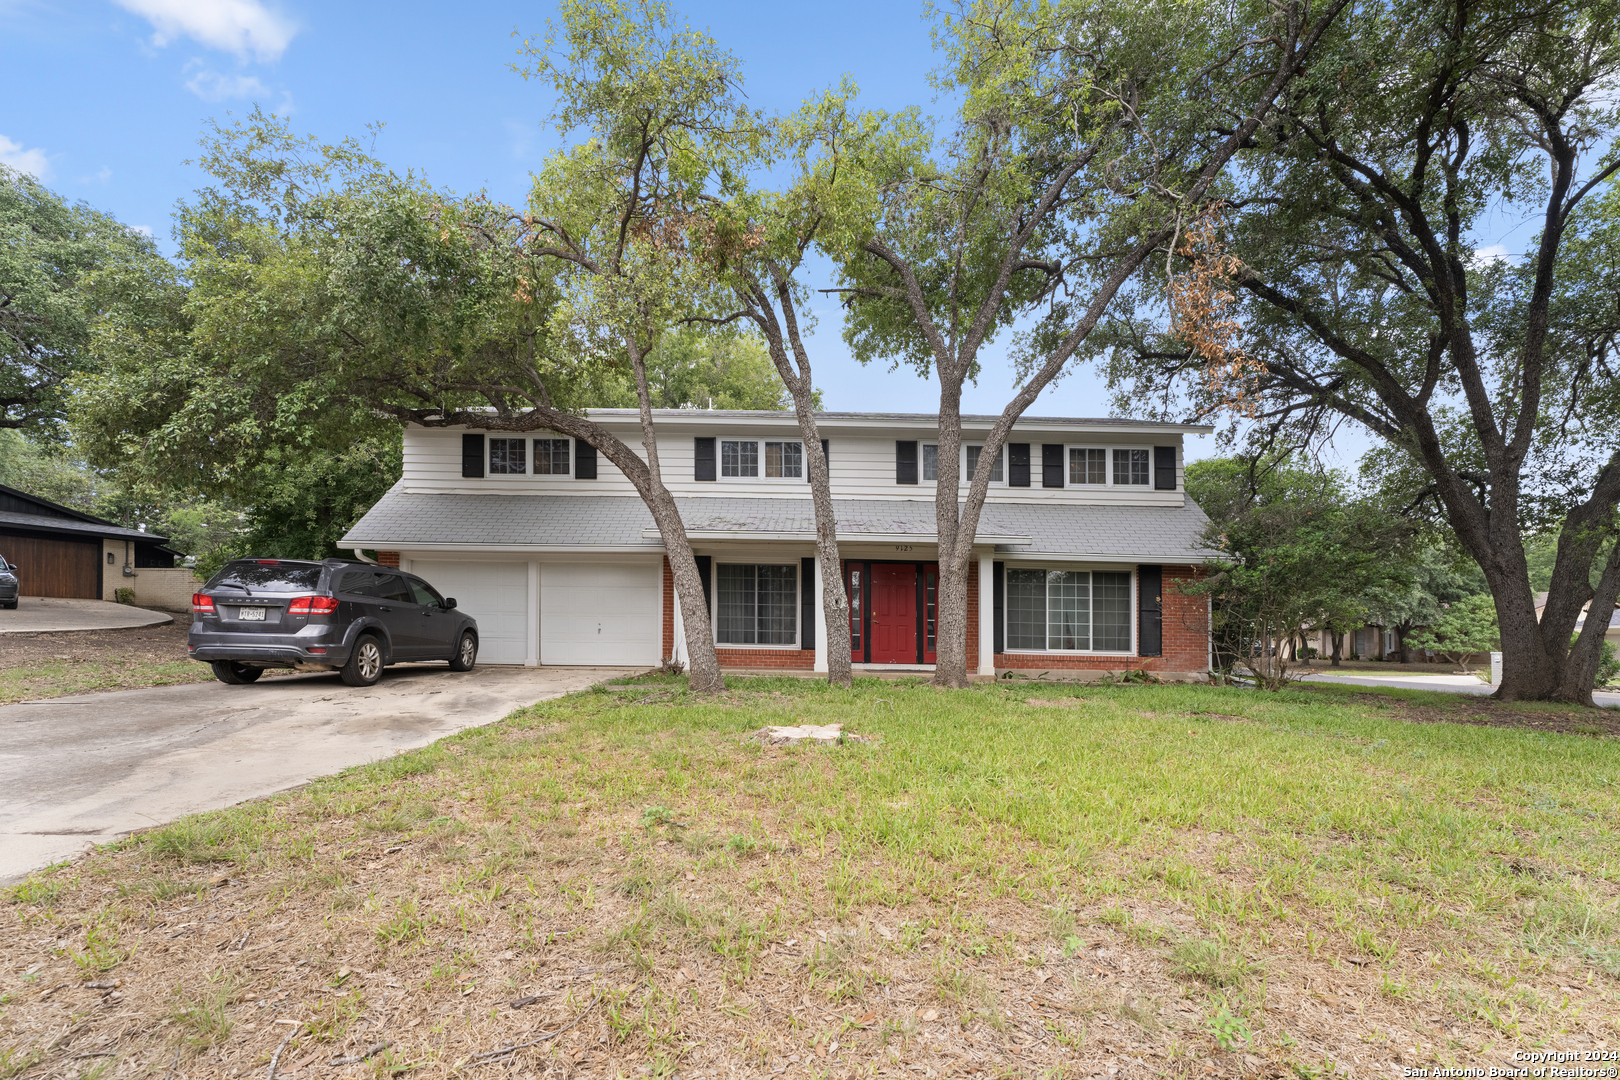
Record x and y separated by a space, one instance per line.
365 663
229 671
466 653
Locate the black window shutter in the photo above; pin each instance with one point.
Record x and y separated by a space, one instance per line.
584 460
703 461
1000 604
826 456
472 455
1164 468
905 461
703 573
1051 464
807 604
1150 608
1018 464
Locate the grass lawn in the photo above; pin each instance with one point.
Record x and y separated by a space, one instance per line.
1016 880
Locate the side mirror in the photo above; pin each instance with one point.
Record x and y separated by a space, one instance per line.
449 602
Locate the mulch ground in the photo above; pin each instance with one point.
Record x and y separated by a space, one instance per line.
166 642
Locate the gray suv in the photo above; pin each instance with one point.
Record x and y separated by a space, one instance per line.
354 618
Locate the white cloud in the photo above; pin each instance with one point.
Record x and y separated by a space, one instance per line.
144 230
33 162
1494 253
236 26
212 86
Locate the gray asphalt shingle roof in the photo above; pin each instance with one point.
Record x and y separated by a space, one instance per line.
47 523
1169 534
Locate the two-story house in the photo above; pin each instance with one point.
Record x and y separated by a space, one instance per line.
1085 533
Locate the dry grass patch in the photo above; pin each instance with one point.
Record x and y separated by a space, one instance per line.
600 887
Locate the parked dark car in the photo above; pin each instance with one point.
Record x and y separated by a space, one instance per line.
351 617
9 584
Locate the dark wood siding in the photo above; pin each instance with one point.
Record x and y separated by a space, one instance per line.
46 567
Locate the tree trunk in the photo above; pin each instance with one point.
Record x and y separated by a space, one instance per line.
780 336
955 546
1338 646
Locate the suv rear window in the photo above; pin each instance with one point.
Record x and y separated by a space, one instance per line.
270 577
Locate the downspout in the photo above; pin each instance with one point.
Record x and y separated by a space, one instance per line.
363 557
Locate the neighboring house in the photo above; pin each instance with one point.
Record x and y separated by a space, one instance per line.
63 552
1084 535
1611 635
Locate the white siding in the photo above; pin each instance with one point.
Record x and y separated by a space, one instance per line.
863 466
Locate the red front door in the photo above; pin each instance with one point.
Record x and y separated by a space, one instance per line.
894 613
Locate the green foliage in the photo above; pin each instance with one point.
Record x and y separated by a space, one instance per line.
1608 667
1228 1031
1298 550
1465 627
60 266
691 369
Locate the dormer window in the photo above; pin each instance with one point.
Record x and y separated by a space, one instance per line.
551 457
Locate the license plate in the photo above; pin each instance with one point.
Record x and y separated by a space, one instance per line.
250 614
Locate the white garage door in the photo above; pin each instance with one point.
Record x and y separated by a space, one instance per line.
599 614
496 594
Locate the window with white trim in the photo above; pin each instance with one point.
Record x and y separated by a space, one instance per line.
1068 610
508 456
551 457
1133 466
756 605
1088 465
741 459
998 470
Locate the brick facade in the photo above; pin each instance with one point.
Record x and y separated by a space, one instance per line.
388 558
1186 638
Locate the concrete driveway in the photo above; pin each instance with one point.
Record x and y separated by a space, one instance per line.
1451 684
44 614
85 770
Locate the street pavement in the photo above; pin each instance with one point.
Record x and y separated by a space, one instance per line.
1451 684
86 770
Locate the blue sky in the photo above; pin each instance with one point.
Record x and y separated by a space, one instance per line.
108 97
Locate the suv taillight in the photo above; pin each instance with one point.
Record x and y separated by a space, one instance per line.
203 603
312 605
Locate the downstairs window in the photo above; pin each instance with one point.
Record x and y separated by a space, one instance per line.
757 605
1068 610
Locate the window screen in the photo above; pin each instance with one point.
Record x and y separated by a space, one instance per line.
757 605
784 460
507 456
1088 465
551 457
739 458
1131 467
1026 609
1111 612
1068 609
930 463
996 473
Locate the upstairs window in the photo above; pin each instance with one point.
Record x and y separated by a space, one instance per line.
1132 467
784 460
997 470
741 459
508 456
930 461
551 457
1088 465
738 458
